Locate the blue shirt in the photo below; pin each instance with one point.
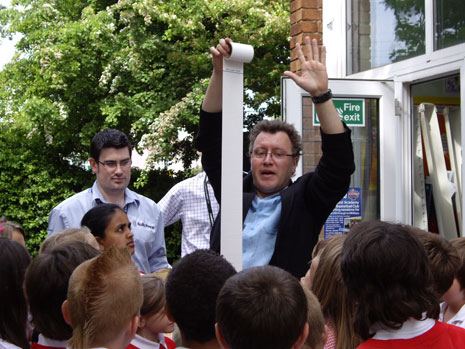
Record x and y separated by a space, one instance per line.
145 217
260 231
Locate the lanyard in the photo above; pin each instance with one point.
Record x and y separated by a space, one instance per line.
207 199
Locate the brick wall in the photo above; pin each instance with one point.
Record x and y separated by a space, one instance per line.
306 20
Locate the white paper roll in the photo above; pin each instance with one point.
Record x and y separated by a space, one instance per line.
231 176
240 53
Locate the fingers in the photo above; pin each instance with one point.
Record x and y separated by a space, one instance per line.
316 52
291 75
312 52
224 47
308 47
300 54
323 55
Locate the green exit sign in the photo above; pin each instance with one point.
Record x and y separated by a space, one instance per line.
351 111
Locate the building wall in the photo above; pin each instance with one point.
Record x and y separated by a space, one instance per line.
306 20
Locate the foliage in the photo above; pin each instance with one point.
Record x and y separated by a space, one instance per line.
410 28
141 66
32 181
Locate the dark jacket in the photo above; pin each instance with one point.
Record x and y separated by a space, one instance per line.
306 203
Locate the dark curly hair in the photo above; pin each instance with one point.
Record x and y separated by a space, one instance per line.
387 275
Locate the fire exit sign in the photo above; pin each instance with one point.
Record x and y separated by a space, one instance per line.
351 111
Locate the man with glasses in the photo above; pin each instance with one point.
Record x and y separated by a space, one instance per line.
110 160
282 219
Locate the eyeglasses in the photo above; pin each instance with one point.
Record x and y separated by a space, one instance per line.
277 155
111 165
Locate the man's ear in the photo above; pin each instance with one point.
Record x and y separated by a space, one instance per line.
168 313
93 165
303 336
220 338
65 312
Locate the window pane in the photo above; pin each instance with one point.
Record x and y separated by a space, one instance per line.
450 23
384 31
365 141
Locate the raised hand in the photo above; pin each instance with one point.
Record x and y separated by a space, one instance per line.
223 49
313 77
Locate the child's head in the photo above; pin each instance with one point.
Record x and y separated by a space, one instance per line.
13 231
110 226
192 287
73 234
262 307
443 257
103 301
387 275
316 323
153 319
308 278
46 286
14 259
328 287
455 295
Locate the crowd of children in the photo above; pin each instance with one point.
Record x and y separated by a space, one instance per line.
382 285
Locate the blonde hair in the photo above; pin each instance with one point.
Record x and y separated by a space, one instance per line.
316 321
104 295
328 287
73 234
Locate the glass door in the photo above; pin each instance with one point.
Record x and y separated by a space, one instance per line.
377 141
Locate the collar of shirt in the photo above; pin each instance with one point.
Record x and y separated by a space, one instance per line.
51 342
409 329
144 343
129 197
260 230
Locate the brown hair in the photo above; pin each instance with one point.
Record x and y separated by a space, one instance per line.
329 288
7 228
387 275
104 295
443 257
275 126
64 236
261 307
154 294
46 285
459 244
316 321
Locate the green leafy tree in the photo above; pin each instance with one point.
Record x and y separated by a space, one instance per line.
141 66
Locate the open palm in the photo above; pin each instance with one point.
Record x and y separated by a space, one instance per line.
313 77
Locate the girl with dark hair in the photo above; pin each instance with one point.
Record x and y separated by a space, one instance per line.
387 275
14 260
110 226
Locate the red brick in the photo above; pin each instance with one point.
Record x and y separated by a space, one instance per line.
312 14
312 4
306 109
312 148
296 16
